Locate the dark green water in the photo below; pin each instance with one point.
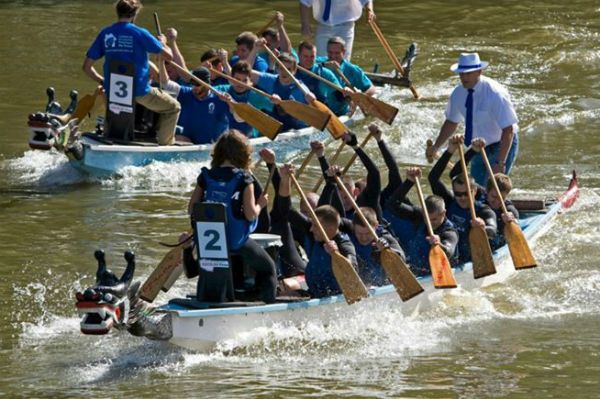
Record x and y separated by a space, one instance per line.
535 336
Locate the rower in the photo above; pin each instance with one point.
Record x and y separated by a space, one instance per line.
457 202
418 244
324 93
277 40
282 87
336 49
490 197
216 59
246 51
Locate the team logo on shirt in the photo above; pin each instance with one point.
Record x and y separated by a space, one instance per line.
211 108
110 41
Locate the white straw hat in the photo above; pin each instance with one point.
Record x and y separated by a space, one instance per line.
468 62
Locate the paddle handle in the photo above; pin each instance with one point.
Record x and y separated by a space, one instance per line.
493 178
355 155
305 163
344 78
424 207
390 54
267 25
271 172
246 85
320 78
312 213
157 24
334 159
467 182
357 209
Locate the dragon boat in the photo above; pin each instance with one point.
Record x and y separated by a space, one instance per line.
115 303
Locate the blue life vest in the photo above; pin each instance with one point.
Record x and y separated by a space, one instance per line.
417 252
369 269
238 230
319 273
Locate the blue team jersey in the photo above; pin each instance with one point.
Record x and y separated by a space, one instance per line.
353 73
324 93
127 42
250 97
203 121
259 63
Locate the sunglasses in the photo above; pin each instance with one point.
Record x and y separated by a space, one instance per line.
460 193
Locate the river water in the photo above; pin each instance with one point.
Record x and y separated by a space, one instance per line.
534 336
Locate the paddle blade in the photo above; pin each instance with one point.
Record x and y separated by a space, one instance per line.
161 274
335 125
400 275
441 272
481 253
518 247
172 278
307 114
265 124
84 107
379 109
347 278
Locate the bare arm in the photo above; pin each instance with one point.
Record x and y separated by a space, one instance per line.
305 15
251 207
162 72
88 68
505 143
196 197
447 129
284 40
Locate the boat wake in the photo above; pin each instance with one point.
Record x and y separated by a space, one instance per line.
43 168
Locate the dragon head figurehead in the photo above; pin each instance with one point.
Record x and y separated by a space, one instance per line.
106 304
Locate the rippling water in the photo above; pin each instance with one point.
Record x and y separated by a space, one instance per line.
534 336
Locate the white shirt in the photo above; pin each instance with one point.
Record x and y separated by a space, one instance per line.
492 109
341 11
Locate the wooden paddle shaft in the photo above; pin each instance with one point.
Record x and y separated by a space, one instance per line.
344 78
283 67
467 182
424 207
305 163
313 215
353 157
271 172
322 79
357 208
391 55
493 178
264 28
192 77
157 24
246 85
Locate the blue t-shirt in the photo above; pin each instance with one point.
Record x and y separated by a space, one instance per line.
353 73
203 121
271 84
325 93
127 42
260 64
250 97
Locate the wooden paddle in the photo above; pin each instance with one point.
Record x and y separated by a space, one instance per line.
441 272
399 274
333 160
517 244
305 163
350 283
335 125
481 252
161 274
265 124
390 54
267 25
370 105
300 111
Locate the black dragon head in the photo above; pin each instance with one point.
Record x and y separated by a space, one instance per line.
106 304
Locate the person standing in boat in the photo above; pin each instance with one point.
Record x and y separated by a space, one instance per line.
318 270
334 18
418 245
491 196
124 41
457 201
487 110
241 94
282 87
204 115
335 100
230 182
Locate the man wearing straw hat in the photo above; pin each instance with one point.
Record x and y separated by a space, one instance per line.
485 107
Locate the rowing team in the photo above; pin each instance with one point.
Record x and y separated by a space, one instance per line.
348 211
200 105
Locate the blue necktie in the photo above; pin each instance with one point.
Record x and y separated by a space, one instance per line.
469 118
327 10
